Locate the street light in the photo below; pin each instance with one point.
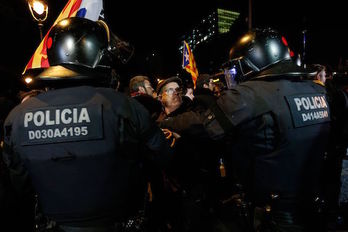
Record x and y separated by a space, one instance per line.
39 11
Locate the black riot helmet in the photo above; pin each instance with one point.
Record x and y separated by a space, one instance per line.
77 41
80 49
254 52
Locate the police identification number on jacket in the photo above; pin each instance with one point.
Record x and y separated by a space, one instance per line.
308 109
62 124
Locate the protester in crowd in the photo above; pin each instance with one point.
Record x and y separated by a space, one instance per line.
187 85
140 85
320 74
205 90
205 81
189 93
169 92
140 88
192 176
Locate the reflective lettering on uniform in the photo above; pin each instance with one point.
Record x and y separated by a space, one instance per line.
316 101
308 109
49 122
39 118
37 134
310 103
305 103
64 132
31 134
84 116
323 102
63 116
74 115
57 133
315 115
50 133
27 118
298 103
57 117
62 124
304 117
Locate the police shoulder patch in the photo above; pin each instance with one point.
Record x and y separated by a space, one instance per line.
61 124
308 109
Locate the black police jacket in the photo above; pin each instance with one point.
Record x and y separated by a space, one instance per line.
279 135
80 149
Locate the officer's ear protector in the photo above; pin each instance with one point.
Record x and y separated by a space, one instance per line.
117 48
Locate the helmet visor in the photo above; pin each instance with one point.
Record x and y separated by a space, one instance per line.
120 49
236 71
231 76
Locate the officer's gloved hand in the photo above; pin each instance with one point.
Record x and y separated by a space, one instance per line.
171 136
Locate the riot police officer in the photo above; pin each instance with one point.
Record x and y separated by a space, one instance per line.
76 146
278 125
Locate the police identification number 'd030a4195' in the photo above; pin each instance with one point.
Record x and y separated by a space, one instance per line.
62 124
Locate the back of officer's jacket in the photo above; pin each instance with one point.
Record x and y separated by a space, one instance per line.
281 135
80 147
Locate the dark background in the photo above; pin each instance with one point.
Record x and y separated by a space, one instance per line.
156 27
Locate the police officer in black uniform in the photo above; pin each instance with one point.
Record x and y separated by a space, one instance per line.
76 146
277 124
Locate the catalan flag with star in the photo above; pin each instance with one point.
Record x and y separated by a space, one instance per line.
189 63
90 9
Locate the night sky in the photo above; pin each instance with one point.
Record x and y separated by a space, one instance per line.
156 27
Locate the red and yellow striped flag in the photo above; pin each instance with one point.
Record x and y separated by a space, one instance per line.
189 63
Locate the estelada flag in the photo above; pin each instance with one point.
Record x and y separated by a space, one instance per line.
90 9
189 63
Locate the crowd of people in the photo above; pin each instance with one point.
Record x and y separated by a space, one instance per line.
258 148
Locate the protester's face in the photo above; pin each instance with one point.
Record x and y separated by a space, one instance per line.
322 76
148 88
171 95
189 93
211 85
